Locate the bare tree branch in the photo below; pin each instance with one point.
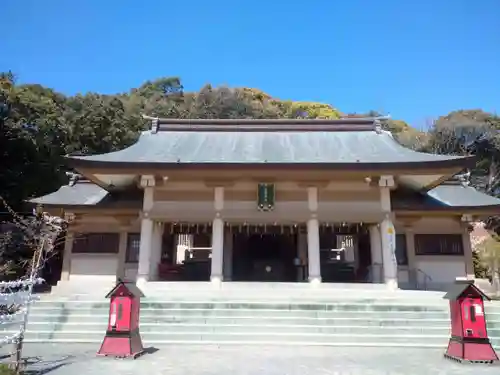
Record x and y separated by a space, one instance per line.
25 248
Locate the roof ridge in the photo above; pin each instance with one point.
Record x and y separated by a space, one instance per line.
266 125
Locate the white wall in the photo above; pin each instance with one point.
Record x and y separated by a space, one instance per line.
437 225
437 271
95 267
403 275
131 271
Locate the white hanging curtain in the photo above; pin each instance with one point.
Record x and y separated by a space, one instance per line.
346 242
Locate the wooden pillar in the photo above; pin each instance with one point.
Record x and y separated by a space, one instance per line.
388 234
469 261
144 267
68 249
122 253
389 254
156 249
376 254
313 245
216 272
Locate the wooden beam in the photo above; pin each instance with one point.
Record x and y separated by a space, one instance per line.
219 182
408 221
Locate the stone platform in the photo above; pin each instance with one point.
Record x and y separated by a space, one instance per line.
243 290
262 314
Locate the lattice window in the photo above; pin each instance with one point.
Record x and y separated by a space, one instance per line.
439 244
103 243
133 246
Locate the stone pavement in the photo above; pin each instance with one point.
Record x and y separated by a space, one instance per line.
80 359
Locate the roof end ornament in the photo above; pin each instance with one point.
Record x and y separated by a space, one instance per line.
73 178
464 178
155 123
378 126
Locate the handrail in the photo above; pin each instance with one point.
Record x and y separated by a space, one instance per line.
370 277
426 278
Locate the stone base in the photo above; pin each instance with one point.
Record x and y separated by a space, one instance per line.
392 284
216 281
141 281
315 281
84 286
219 288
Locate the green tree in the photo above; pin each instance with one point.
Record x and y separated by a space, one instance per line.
31 141
480 270
489 254
475 132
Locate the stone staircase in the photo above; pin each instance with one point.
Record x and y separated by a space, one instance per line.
289 314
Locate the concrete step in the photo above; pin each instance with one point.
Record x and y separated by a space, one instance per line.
214 313
261 291
257 337
224 328
214 308
258 295
151 338
332 306
262 315
228 287
248 319
257 313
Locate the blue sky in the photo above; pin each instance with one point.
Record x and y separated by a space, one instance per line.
414 59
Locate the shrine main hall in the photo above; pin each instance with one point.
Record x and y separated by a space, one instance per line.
312 201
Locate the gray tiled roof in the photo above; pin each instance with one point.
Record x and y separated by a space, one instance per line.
191 147
463 196
80 194
449 195
444 196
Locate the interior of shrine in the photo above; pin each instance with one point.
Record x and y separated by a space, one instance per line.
276 253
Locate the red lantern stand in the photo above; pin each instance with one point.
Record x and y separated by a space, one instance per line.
122 336
469 340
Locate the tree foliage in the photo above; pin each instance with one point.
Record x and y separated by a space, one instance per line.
40 125
481 270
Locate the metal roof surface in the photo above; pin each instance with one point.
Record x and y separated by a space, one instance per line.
80 194
463 196
254 147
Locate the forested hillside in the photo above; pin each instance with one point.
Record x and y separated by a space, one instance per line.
39 125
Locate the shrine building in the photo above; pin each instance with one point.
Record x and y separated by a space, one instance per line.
319 201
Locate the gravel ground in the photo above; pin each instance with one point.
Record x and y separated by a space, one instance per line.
80 359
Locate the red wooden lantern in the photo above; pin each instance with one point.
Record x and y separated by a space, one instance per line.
122 336
469 340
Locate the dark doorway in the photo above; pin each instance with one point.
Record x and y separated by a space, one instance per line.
264 257
365 258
